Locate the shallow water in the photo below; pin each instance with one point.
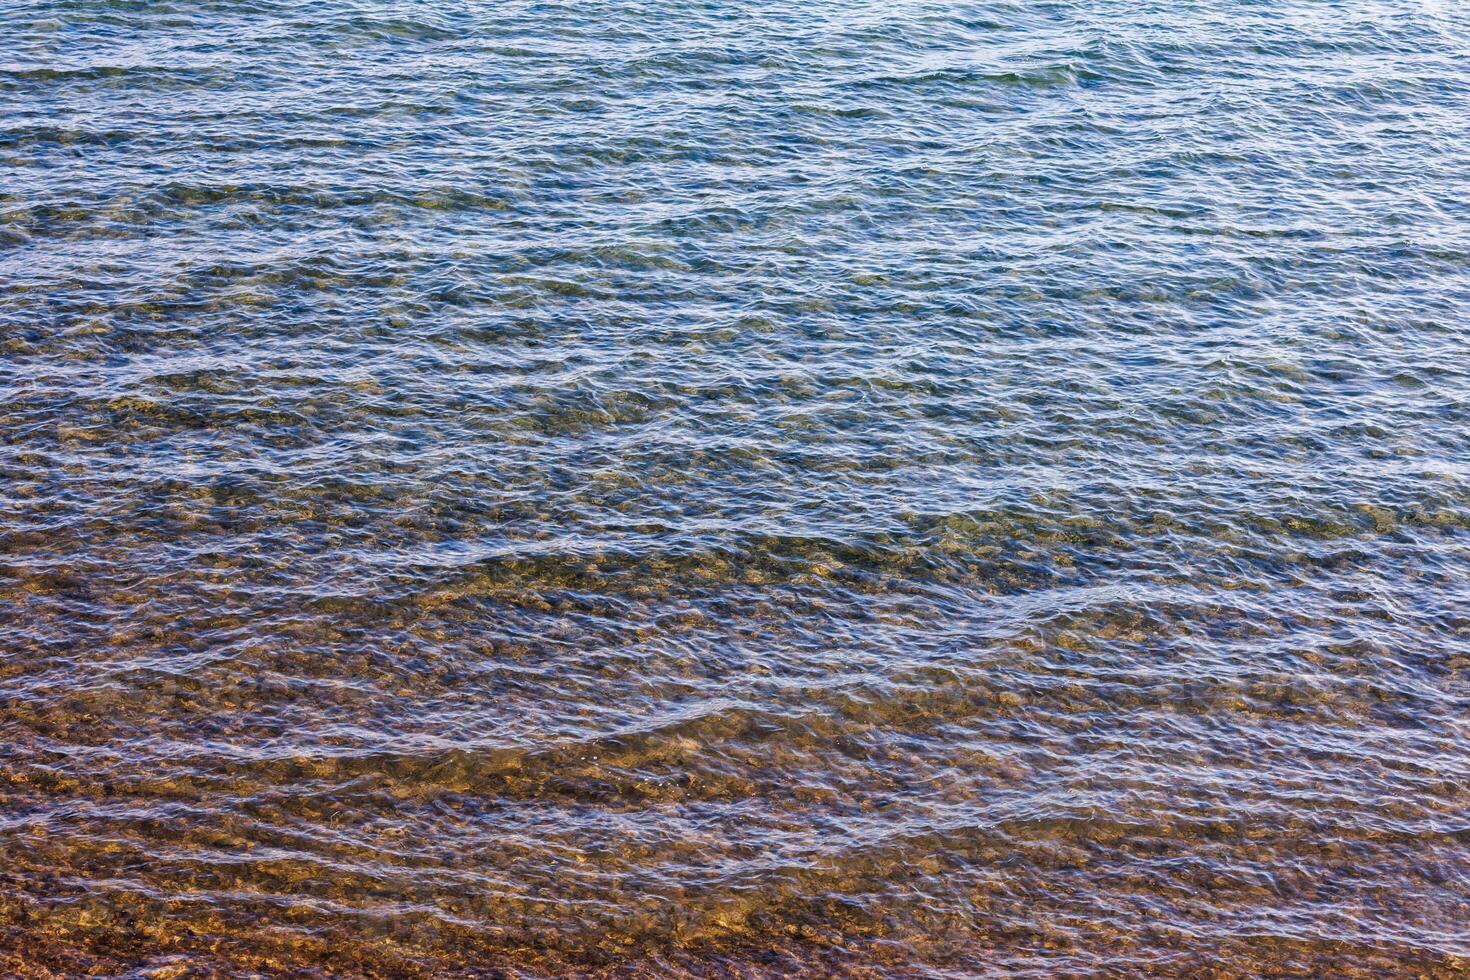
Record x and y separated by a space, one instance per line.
734 488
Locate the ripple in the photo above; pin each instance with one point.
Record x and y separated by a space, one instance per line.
734 489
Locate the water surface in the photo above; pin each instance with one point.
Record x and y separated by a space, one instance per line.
734 488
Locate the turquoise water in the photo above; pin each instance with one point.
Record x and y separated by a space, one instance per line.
734 488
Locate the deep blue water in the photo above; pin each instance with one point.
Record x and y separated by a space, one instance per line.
734 488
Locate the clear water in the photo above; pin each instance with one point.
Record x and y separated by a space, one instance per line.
734 488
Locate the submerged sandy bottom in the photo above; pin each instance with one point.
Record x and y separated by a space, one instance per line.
741 489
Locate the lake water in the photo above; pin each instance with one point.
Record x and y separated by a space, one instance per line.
734 488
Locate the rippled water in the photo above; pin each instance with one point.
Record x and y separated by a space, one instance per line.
734 488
